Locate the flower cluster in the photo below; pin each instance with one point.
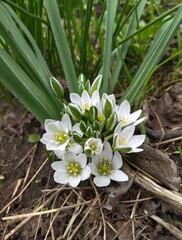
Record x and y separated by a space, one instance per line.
91 136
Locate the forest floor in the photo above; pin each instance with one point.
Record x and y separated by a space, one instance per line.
34 207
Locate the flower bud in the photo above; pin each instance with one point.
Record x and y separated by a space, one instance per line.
107 108
56 87
83 126
93 113
81 82
96 125
74 111
111 122
89 131
76 137
96 84
96 134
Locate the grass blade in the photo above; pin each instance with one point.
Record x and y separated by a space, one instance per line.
158 46
110 20
61 43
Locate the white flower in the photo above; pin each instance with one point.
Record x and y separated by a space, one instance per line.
57 133
126 140
85 101
127 118
106 167
72 169
93 146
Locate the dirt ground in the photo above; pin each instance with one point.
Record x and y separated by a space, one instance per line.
42 209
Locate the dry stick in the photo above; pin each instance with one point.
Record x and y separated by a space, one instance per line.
51 223
73 218
23 159
27 219
133 215
83 219
19 182
173 198
42 199
102 214
159 121
172 229
33 214
167 141
14 199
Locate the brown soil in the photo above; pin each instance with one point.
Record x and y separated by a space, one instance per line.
27 187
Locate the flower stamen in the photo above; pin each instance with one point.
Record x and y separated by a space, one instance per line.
123 140
74 169
61 137
123 119
105 167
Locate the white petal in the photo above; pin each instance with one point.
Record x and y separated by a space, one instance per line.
69 157
85 174
86 98
124 109
76 128
59 166
47 121
75 98
66 121
117 160
60 147
136 150
127 132
75 148
139 121
81 159
118 128
53 126
93 169
136 141
95 159
95 99
61 177
101 181
59 153
74 180
107 152
119 176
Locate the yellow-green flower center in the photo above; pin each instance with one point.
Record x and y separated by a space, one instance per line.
74 169
86 106
123 140
105 167
124 119
93 147
61 137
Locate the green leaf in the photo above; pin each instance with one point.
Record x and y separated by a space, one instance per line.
162 39
19 83
62 44
124 48
34 138
110 20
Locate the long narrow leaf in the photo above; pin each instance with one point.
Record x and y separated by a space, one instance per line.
111 14
160 43
124 48
30 59
19 83
61 43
